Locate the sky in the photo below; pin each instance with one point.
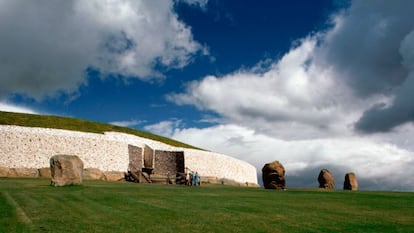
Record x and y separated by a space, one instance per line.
312 84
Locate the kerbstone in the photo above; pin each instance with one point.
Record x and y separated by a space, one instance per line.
66 170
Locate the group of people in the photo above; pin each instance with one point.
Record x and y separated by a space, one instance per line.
192 179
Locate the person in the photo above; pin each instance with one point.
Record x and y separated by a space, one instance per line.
191 178
196 179
187 178
169 181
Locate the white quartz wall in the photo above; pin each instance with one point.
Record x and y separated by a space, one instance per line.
32 147
213 164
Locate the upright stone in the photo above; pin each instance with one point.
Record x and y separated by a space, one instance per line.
273 175
326 179
66 170
350 182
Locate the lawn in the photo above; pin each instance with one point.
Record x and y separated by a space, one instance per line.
31 205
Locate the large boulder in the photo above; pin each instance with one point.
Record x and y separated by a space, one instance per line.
44 172
93 174
350 182
273 175
180 178
66 170
326 179
4 171
114 175
23 172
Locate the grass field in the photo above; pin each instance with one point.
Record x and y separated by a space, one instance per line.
31 205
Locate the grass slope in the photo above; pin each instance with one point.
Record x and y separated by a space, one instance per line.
128 207
31 120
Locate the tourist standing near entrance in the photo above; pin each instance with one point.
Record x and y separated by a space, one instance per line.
187 178
191 178
196 179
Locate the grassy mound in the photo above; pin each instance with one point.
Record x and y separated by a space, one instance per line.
31 205
30 120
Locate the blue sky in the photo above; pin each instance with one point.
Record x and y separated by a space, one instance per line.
236 34
313 84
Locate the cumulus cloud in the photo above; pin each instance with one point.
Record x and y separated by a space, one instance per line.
164 128
303 109
384 118
199 3
356 74
46 46
377 165
364 45
292 99
371 48
126 123
7 107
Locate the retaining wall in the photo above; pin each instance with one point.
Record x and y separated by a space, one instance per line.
31 147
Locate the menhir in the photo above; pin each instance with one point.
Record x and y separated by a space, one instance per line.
350 182
326 179
273 175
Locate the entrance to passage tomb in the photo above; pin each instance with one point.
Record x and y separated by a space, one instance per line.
135 168
179 159
144 163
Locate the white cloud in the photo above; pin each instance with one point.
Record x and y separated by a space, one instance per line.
46 46
370 49
359 71
302 109
293 98
164 128
7 107
126 123
199 3
378 165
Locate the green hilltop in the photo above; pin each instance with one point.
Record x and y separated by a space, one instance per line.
57 122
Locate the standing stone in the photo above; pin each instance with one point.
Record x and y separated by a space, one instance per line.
350 182
326 179
66 170
273 175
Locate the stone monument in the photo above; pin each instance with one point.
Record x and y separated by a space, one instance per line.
326 179
273 175
66 170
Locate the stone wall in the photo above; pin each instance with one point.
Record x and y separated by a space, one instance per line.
219 164
32 148
29 147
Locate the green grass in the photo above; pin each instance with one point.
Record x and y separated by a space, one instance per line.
31 120
128 207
